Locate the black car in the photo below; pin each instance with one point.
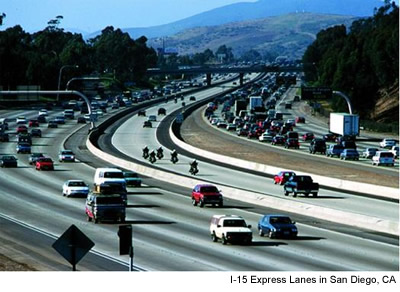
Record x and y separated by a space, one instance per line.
292 143
8 161
4 137
278 140
192 98
162 111
329 137
317 145
81 120
147 124
142 113
52 124
41 119
36 133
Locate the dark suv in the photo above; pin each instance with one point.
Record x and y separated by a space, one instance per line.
317 145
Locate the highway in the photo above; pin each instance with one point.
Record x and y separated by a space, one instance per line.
169 233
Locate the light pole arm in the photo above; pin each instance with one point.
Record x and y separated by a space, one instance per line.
346 98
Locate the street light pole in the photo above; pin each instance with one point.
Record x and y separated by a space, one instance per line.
59 77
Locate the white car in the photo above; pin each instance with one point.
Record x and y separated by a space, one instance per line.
387 143
395 151
75 188
66 155
21 120
265 137
230 228
43 112
383 158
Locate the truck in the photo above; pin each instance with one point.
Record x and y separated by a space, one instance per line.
301 184
105 207
256 102
240 104
344 124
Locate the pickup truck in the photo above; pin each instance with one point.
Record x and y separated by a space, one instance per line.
301 184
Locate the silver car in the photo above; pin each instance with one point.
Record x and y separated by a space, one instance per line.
75 188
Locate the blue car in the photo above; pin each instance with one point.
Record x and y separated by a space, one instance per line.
349 154
277 226
23 148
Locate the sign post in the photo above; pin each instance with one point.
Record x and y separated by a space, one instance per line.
73 245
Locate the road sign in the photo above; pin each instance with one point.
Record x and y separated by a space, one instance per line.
73 245
316 92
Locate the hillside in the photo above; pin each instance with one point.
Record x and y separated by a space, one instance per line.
255 10
287 35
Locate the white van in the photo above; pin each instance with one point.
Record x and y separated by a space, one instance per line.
109 176
383 157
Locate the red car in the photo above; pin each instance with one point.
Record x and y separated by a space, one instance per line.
308 136
300 120
206 194
33 123
44 163
22 130
283 177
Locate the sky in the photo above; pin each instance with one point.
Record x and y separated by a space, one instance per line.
94 15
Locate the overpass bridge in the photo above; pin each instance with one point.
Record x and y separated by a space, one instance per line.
208 71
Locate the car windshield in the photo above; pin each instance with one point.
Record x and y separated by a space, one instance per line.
37 155
303 178
8 158
113 174
209 189
67 153
387 154
280 220
46 160
77 184
234 223
130 174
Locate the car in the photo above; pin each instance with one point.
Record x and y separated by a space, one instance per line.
69 114
33 123
300 120
162 111
242 132
41 119
329 137
23 147
21 120
66 156
292 122
203 194
300 184
4 137
308 136
283 176
81 120
222 124
275 226
44 163
132 179
24 138
142 113
36 133
395 151
8 161
230 229
52 124
288 105
75 188
369 152
317 145
278 140
152 118
387 143
253 134
231 127
383 158
334 150
147 124
192 98
292 143
34 157
22 129
43 112
59 120
349 153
